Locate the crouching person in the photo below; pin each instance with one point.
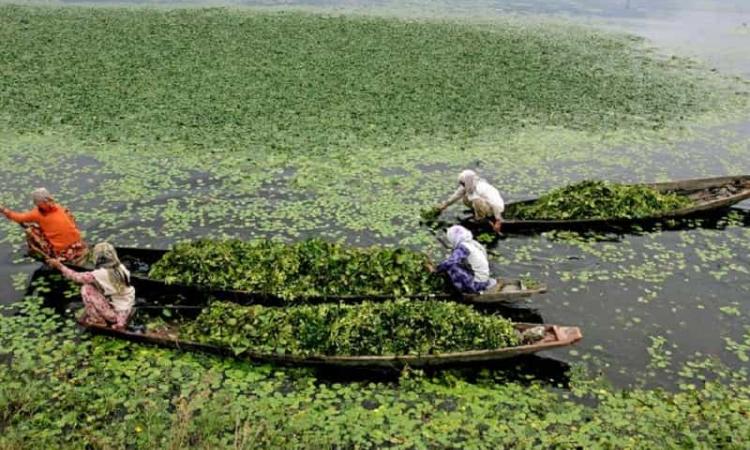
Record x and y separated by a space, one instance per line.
479 195
467 267
108 297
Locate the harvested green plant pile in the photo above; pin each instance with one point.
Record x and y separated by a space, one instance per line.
291 81
598 199
387 328
307 268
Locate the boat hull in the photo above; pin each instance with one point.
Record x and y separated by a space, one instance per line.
707 192
555 337
198 295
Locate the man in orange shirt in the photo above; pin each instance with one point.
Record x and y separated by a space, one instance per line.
51 230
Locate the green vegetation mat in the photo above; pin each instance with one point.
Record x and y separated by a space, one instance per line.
598 199
307 268
400 327
219 121
106 393
303 82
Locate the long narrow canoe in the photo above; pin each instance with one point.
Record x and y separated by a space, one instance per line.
708 194
140 259
555 337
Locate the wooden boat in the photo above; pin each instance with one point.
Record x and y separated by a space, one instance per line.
139 260
509 290
555 337
708 194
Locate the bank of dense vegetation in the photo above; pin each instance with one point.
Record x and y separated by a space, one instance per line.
295 81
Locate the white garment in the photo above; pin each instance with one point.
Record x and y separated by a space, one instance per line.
477 260
458 234
122 300
488 193
485 191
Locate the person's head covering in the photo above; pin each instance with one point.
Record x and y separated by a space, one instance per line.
41 195
458 234
468 179
105 257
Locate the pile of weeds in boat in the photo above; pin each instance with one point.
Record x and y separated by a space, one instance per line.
591 199
399 327
310 268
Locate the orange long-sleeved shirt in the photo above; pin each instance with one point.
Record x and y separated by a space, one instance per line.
56 224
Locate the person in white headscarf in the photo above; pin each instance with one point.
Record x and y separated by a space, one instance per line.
480 196
467 267
108 297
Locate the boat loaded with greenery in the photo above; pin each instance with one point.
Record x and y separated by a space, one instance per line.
592 204
310 271
368 335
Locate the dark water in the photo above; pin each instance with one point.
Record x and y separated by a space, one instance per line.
689 286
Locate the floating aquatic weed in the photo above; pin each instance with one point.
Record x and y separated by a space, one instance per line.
530 282
155 389
660 356
148 149
19 280
275 93
730 311
740 349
